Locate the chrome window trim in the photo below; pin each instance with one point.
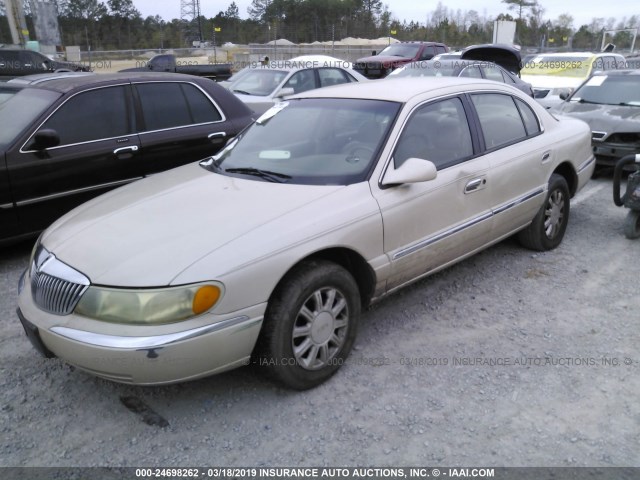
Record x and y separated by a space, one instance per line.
156 341
74 192
135 132
223 118
22 149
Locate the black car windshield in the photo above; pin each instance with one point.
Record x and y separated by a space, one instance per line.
328 141
19 107
610 90
401 50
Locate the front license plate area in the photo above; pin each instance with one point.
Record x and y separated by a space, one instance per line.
34 336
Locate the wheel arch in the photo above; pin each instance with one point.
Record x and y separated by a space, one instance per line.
566 170
351 261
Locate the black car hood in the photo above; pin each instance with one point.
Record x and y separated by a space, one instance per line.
507 56
603 118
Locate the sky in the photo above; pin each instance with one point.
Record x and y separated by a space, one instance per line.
583 11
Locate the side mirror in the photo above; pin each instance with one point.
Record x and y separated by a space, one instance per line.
46 138
285 92
413 170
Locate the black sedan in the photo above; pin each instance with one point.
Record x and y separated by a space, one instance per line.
609 102
66 138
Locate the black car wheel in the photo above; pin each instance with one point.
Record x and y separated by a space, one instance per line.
310 325
632 225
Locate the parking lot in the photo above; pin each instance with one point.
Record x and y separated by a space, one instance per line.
510 358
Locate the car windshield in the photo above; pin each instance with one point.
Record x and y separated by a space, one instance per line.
401 50
19 107
310 141
429 69
610 90
260 82
562 66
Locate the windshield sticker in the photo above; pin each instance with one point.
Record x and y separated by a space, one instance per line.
272 112
275 155
596 81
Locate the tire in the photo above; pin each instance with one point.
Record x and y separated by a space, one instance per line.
548 226
632 225
302 342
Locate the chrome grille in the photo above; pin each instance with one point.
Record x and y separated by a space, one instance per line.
55 286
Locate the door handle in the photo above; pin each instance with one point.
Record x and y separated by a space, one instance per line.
474 184
546 156
217 135
130 149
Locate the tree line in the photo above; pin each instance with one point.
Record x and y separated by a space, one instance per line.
118 25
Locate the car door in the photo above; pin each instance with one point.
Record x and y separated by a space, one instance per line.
8 217
429 224
178 123
514 144
96 151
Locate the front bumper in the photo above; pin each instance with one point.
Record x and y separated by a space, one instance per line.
144 355
608 154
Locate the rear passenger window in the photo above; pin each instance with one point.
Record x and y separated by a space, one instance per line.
499 118
170 105
332 76
94 115
493 73
529 118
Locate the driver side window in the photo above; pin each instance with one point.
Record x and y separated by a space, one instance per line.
438 132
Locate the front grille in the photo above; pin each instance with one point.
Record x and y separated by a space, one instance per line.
55 286
55 295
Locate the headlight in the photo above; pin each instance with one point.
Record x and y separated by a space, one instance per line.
148 307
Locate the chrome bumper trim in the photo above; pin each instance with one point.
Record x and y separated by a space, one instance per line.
137 343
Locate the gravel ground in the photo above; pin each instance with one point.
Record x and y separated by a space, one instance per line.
510 358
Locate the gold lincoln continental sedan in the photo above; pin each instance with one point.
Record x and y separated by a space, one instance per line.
271 249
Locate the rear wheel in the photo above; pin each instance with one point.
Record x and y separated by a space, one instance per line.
548 226
310 325
632 225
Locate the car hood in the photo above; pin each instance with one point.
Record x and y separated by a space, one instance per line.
381 59
551 81
506 56
603 118
147 233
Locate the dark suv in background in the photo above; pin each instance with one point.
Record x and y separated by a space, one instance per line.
396 55
18 62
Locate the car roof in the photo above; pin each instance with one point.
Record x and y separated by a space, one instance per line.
66 82
402 89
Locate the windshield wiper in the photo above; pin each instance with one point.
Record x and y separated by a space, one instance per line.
265 174
242 92
582 100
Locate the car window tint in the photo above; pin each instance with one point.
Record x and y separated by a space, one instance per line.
332 76
163 105
302 81
493 73
202 110
427 53
529 118
438 132
472 72
499 118
91 115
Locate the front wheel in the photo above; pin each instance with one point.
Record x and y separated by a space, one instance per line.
548 226
310 325
632 225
